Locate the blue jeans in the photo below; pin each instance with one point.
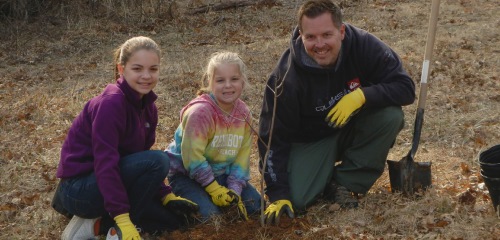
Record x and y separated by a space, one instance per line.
141 173
186 187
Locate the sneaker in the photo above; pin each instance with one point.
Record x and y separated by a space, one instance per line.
341 195
79 229
114 235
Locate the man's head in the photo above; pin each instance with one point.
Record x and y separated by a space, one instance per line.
321 30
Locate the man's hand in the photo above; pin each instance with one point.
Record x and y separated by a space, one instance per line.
276 209
180 206
220 195
345 108
241 207
126 229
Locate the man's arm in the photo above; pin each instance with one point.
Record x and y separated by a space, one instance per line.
390 84
286 121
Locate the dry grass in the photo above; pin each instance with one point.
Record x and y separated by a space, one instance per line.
50 69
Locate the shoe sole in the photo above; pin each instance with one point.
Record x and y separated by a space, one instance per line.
74 224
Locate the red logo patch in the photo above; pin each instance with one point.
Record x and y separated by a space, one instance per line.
353 84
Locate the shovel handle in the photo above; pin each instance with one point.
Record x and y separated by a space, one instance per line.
426 66
419 118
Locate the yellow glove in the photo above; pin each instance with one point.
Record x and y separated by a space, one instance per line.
241 207
345 108
220 195
180 206
276 209
126 229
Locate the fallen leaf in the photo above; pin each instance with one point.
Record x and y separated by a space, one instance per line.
465 168
468 197
334 207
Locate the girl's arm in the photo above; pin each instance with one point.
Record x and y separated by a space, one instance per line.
197 129
240 169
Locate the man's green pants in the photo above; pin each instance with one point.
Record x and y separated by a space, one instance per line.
361 148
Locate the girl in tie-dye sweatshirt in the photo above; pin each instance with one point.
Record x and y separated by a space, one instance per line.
210 154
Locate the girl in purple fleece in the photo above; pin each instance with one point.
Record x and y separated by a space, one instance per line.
109 177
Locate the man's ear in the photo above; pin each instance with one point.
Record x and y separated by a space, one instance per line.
342 31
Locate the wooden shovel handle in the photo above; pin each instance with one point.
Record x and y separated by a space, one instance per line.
419 118
431 35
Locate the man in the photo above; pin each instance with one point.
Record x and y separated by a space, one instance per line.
338 111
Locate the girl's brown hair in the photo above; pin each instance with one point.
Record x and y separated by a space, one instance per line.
125 51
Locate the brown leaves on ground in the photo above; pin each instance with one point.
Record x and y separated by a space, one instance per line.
49 69
251 229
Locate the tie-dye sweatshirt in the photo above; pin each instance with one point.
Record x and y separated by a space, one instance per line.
209 143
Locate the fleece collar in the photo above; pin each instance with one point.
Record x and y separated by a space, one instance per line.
133 97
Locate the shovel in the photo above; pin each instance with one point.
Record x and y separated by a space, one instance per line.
406 175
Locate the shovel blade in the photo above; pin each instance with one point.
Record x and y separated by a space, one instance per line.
408 177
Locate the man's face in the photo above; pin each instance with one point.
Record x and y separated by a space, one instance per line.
322 40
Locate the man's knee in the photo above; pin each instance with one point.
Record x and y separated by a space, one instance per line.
393 116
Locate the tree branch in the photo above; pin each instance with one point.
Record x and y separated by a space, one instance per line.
228 5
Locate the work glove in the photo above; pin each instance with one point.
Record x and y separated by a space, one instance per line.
125 228
276 209
239 203
180 206
220 195
345 108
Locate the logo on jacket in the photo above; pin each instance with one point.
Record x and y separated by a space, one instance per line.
353 84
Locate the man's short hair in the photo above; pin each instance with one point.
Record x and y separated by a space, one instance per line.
314 8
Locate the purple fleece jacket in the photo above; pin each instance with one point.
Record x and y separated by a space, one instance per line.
112 125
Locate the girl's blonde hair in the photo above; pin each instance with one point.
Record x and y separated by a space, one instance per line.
124 52
216 60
